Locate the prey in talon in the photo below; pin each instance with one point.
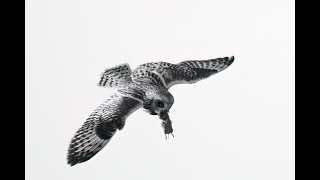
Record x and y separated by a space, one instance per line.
147 87
167 126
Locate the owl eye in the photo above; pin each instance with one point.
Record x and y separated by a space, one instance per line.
160 104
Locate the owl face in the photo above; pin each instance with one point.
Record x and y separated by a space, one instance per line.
158 105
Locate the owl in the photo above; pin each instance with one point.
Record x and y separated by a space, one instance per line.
145 87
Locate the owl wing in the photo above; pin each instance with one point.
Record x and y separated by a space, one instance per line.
100 127
117 76
192 71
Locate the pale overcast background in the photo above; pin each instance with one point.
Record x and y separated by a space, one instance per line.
235 125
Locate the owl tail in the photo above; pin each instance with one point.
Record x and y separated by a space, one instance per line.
116 77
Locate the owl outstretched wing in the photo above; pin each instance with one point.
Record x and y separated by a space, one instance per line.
192 71
100 127
186 72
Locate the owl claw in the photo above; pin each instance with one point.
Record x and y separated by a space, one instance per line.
167 136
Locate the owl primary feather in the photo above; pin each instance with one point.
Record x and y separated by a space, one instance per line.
145 87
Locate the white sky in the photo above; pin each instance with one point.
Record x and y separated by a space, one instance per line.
236 125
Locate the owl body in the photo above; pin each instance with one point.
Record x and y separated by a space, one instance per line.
145 87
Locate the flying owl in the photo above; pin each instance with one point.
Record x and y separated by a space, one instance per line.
145 87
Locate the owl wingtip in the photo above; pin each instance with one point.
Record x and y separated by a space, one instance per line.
71 161
231 59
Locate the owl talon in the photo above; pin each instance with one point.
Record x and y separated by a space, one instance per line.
167 135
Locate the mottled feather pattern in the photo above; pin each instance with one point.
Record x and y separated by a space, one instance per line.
192 71
186 72
132 91
217 64
99 127
117 76
142 74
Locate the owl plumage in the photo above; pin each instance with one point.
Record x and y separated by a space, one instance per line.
145 87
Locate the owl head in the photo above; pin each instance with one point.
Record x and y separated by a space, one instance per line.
158 101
